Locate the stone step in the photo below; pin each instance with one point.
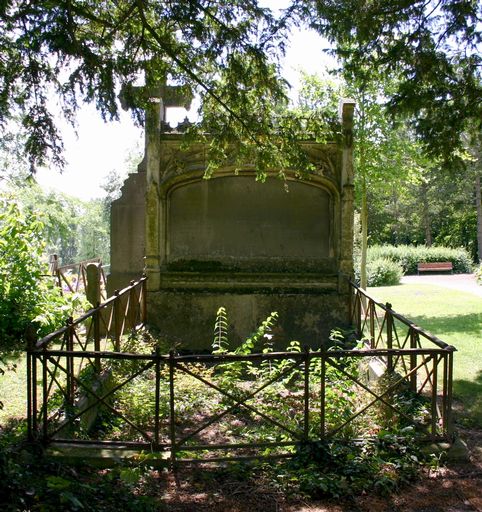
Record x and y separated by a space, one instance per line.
103 456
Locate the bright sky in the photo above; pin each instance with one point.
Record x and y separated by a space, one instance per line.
102 147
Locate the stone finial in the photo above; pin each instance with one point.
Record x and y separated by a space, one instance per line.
346 111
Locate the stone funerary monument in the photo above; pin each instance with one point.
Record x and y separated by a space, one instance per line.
231 241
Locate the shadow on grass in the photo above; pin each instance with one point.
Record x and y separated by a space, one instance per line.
469 392
464 324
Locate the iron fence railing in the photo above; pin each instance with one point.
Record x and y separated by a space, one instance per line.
400 343
59 358
233 406
73 278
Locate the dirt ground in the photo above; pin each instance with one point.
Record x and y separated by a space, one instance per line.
454 487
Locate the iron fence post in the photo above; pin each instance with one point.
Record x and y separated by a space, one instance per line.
29 390
322 395
144 300
444 394
117 321
413 360
132 311
44 397
96 320
434 395
172 424
306 422
389 327
157 398
70 361
358 313
450 373
371 310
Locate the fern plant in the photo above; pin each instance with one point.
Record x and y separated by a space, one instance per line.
260 339
220 342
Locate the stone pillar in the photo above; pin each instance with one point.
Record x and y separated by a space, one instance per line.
347 108
153 221
92 291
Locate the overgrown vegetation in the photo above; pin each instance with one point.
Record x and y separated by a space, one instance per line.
386 459
331 468
30 303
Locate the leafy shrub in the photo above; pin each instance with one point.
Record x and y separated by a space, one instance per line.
29 303
383 272
409 256
478 274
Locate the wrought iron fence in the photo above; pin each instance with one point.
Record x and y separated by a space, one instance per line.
73 278
58 359
234 406
424 360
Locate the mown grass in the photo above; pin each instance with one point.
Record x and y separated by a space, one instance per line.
456 318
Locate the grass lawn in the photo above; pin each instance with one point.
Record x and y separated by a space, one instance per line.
13 391
454 317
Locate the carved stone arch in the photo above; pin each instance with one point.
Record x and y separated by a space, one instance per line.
231 221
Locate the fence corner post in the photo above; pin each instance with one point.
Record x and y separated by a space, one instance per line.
389 325
306 429
96 320
117 321
172 419
144 299
31 386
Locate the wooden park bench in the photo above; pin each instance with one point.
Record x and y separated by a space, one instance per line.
435 267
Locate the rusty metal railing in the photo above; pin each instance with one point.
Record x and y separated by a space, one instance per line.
400 343
59 358
192 408
73 278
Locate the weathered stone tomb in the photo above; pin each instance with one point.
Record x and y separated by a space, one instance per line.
232 241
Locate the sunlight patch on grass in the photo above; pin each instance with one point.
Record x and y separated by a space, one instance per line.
456 318
13 391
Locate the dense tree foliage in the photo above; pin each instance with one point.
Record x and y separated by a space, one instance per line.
30 303
227 53
387 156
438 209
71 228
83 51
434 47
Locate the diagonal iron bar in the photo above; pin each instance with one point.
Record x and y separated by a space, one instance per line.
58 359
103 398
428 374
241 402
377 397
220 415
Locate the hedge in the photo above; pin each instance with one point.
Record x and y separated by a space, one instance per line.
409 256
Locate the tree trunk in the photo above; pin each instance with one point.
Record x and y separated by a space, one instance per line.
364 235
426 215
478 203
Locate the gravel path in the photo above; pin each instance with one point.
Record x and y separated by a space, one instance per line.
461 282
